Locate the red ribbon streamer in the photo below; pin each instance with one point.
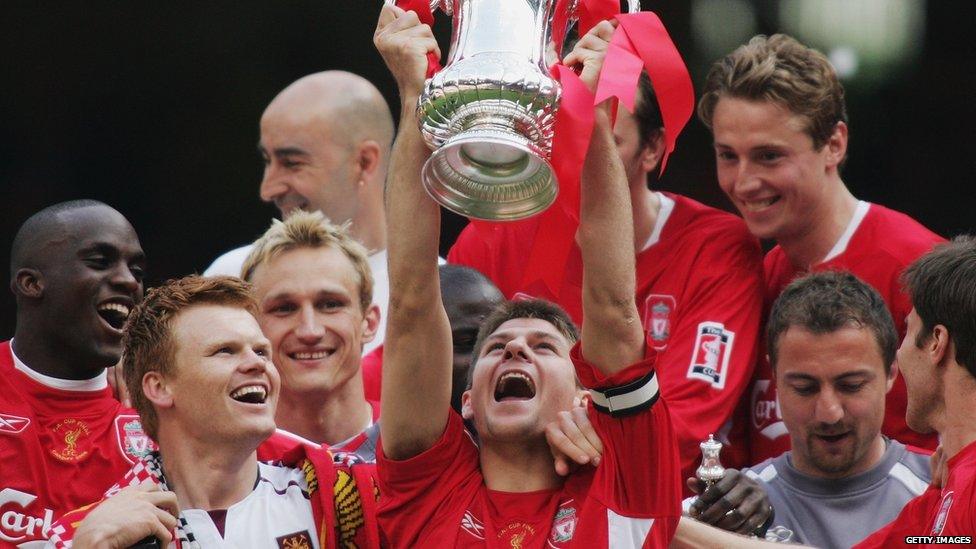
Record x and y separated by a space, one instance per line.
642 41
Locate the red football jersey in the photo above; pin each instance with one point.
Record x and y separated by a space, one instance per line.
877 247
944 513
699 293
439 498
59 448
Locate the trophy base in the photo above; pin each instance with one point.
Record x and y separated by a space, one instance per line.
489 174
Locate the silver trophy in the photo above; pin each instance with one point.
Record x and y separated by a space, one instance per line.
710 471
489 114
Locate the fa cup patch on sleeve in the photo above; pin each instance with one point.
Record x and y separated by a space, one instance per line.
710 355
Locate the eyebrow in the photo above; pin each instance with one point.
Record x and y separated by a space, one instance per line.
796 376
283 151
107 248
538 334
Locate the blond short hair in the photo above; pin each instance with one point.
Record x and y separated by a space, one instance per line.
311 230
781 70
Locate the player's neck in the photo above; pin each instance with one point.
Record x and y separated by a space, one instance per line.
810 245
45 356
646 206
957 429
518 467
207 475
369 226
328 417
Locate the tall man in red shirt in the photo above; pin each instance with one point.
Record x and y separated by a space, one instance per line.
777 113
76 271
438 488
699 280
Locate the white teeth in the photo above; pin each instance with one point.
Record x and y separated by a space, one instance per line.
518 375
249 389
117 307
759 204
311 356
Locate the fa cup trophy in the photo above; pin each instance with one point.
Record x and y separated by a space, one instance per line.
489 114
710 471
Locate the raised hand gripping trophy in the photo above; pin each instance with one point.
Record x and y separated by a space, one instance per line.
489 114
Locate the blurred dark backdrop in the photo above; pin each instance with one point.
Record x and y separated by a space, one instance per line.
153 107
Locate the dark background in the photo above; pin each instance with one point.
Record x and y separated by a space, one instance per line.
153 108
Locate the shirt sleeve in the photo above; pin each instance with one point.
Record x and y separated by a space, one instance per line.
714 343
471 250
914 520
426 488
637 480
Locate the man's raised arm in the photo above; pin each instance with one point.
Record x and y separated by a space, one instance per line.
612 337
417 350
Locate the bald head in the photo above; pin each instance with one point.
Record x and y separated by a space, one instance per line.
34 234
347 104
325 141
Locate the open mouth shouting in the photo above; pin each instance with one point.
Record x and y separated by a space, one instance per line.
250 394
514 385
114 312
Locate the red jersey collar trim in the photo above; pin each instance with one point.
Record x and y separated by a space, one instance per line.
841 245
667 206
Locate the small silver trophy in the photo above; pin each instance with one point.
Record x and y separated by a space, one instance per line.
710 471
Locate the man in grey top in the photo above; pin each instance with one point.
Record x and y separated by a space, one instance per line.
832 347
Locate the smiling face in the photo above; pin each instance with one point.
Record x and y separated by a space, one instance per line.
306 166
309 306
831 389
223 386
522 378
769 168
91 273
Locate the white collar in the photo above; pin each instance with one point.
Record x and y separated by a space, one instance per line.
96 383
667 206
841 245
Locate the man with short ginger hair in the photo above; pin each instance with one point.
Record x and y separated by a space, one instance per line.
199 370
777 114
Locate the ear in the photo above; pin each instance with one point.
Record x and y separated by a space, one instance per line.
157 390
28 283
467 412
368 158
371 323
892 376
938 345
652 152
836 146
